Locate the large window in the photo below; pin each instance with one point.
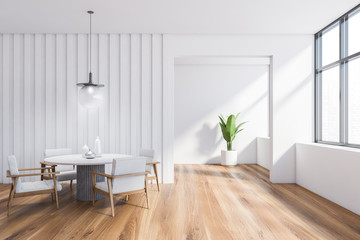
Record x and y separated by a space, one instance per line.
337 64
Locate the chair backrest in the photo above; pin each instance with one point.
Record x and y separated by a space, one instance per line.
13 168
58 152
150 155
128 166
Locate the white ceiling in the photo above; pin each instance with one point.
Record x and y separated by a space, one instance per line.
171 16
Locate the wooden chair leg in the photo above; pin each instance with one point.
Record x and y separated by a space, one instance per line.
42 171
111 197
147 200
12 186
9 203
55 192
71 184
56 199
49 176
146 194
93 187
53 170
11 195
157 179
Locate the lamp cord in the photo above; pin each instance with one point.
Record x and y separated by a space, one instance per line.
90 73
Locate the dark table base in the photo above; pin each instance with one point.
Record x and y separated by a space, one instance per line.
84 182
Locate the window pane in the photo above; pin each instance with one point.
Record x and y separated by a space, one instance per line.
354 33
330 45
330 104
354 101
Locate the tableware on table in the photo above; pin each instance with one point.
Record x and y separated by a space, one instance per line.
84 150
90 154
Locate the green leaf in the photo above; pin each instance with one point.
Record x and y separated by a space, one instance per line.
230 125
239 131
229 128
238 126
222 120
222 117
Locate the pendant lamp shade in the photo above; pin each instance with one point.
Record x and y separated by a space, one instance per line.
90 94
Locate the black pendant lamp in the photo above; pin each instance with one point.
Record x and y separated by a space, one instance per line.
90 94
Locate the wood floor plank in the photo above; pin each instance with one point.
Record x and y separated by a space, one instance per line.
205 202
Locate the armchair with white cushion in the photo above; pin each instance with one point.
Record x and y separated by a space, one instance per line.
66 172
128 176
151 167
22 189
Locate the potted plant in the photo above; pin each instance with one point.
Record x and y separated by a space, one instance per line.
229 131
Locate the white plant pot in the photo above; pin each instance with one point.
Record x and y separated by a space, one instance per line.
228 158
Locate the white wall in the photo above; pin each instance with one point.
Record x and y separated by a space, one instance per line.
38 103
291 84
263 152
205 89
293 105
331 172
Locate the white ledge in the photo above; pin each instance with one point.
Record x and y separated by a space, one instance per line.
264 137
322 145
213 60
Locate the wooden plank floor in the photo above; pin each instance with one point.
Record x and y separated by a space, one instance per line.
206 202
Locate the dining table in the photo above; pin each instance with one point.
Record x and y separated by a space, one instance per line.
84 167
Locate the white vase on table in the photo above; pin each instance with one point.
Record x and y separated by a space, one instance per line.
98 147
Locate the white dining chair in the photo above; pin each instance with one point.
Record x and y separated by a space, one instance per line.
67 172
151 165
128 176
22 189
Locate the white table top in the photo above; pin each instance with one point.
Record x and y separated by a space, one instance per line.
78 159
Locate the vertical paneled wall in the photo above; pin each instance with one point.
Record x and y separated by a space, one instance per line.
39 108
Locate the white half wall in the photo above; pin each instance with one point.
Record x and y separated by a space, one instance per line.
330 171
206 87
263 152
38 103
